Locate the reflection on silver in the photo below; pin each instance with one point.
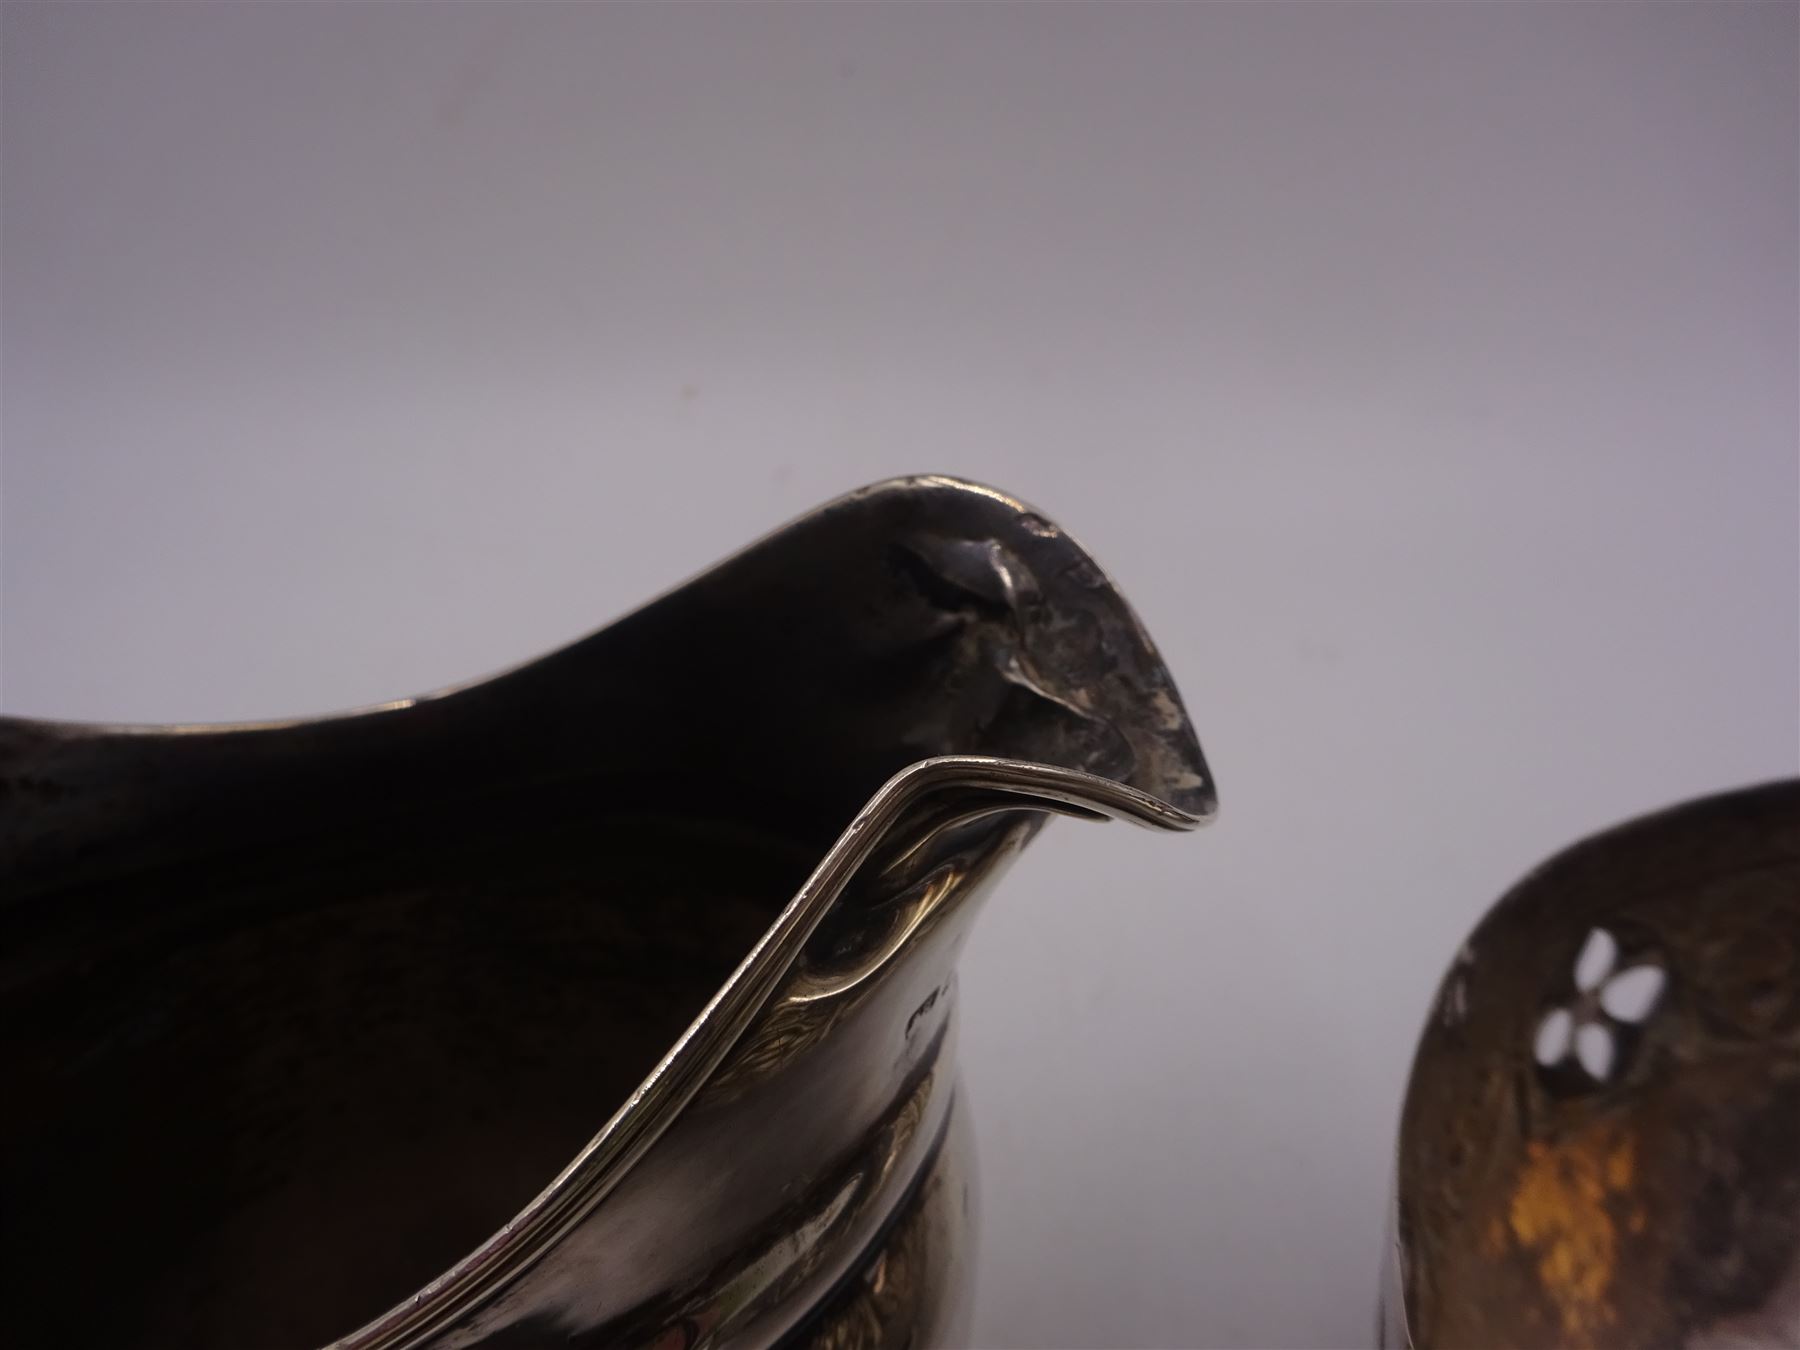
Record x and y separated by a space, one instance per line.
606 1002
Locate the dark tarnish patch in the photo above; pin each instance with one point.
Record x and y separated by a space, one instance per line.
1079 683
1743 1242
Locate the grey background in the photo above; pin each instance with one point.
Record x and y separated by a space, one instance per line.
1425 374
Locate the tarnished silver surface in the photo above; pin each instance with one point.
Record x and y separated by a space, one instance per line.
1601 1141
607 1002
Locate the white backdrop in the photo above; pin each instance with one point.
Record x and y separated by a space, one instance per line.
1425 375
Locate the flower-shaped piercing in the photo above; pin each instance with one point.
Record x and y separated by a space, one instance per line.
1607 1004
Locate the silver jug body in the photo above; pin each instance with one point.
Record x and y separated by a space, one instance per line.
609 1001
